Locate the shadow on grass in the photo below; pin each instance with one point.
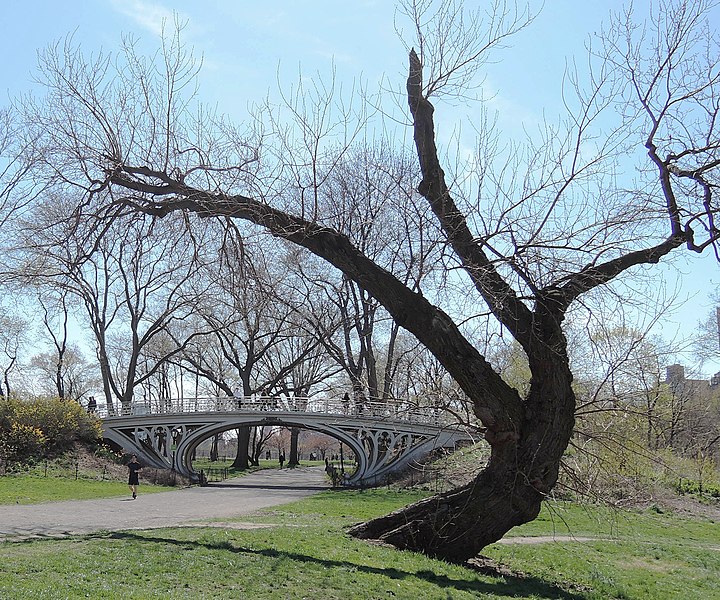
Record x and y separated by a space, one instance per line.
509 585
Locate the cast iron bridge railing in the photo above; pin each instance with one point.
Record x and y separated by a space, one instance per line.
384 436
395 410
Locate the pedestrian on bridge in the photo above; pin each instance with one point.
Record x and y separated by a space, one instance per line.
133 478
238 396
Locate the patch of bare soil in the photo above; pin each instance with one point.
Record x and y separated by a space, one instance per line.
242 525
692 507
492 568
546 539
666 500
100 466
90 464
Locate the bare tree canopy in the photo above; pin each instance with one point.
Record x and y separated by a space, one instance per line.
527 229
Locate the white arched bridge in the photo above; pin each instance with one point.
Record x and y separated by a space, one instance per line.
384 437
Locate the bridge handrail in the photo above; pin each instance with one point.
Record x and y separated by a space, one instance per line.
393 410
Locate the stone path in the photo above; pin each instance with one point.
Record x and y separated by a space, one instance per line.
232 498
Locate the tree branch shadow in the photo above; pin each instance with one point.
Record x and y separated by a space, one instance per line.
506 583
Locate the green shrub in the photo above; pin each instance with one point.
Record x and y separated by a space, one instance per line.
43 427
22 442
697 488
63 422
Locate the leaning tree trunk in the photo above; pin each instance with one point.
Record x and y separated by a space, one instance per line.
527 437
521 471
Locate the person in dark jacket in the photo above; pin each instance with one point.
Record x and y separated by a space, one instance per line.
133 478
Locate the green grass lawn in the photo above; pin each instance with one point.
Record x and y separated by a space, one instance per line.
304 553
648 555
204 463
31 489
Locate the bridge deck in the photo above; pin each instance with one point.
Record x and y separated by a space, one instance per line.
397 411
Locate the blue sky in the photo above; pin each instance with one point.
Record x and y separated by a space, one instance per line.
246 44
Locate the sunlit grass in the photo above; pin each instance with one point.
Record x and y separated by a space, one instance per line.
285 562
633 554
303 552
310 558
31 489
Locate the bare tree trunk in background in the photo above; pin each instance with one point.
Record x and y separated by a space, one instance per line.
293 460
242 457
214 447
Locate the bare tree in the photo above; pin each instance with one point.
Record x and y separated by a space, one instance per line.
78 376
13 336
55 320
254 319
131 283
370 198
707 338
690 414
530 235
65 365
17 191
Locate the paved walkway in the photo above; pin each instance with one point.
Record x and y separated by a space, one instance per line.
232 498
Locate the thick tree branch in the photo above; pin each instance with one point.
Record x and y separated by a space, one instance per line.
593 276
497 404
500 297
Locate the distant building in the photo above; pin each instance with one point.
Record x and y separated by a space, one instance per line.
679 384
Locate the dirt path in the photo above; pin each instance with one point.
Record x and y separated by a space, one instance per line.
544 539
233 498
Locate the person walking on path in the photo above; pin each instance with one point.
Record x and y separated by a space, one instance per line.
281 459
133 478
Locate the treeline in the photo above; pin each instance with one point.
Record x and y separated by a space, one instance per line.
187 306
642 424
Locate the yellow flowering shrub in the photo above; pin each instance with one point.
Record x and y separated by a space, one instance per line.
44 426
23 442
